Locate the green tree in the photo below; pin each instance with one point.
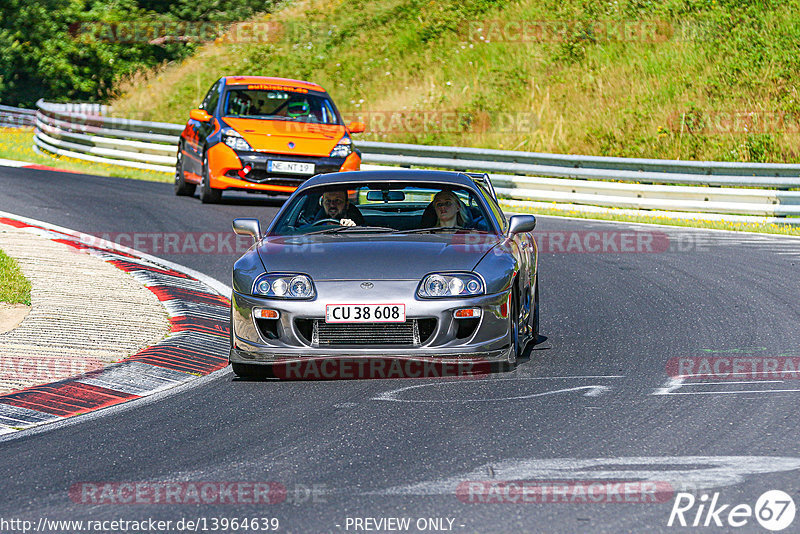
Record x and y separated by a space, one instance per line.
46 52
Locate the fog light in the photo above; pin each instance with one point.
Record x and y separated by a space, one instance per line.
245 171
467 313
263 313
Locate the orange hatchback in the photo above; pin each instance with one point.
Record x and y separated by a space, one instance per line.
261 134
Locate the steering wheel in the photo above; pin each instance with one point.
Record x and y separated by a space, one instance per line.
321 221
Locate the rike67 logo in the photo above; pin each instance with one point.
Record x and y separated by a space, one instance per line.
774 510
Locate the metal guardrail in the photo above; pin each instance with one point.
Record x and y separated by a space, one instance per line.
11 117
89 135
706 187
729 168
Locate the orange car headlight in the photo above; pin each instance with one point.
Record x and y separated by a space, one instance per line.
343 149
234 139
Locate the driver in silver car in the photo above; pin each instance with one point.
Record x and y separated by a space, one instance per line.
336 205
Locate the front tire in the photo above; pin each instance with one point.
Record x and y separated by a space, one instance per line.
513 327
536 312
207 194
182 188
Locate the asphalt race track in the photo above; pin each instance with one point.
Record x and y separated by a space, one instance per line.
593 402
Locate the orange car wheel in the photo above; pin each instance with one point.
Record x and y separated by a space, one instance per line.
182 189
207 194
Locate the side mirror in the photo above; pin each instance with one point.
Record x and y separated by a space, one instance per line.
200 115
518 224
356 127
249 227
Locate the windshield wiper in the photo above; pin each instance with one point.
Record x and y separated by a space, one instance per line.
340 229
432 229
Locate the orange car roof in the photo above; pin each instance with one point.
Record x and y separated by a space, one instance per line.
248 80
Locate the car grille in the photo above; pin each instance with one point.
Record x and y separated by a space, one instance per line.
261 177
412 332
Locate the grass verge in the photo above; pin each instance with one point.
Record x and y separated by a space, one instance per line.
672 79
14 287
17 144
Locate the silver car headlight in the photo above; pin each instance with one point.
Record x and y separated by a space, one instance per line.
234 139
438 285
284 286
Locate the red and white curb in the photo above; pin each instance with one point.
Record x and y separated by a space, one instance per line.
197 345
36 166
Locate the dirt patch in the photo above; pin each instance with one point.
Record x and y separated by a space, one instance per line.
11 315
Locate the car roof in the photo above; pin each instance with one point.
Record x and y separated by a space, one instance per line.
248 80
403 175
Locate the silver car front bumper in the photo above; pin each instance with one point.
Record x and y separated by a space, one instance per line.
289 338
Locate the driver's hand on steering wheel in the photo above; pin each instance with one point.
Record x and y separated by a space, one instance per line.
347 222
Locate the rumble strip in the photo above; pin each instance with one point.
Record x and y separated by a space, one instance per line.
197 344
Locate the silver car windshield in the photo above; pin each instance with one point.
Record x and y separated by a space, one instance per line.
388 208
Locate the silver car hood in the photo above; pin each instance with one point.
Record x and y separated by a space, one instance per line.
351 256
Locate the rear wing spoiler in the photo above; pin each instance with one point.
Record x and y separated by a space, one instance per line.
483 179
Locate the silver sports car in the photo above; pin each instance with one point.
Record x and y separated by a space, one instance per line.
408 265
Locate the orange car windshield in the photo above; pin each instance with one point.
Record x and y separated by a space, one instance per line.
280 105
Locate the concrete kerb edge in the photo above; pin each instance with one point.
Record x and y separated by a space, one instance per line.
196 346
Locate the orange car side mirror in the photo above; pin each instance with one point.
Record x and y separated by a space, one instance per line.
356 127
200 115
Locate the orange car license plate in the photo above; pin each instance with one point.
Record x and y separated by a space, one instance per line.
290 167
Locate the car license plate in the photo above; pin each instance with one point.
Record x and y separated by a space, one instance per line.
365 313
290 167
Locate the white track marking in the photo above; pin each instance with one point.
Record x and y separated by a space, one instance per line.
13 163
736 392
11 415
560 377
692 472
672 386
736 382
744 374
392 396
